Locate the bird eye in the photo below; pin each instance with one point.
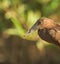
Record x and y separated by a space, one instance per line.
38 21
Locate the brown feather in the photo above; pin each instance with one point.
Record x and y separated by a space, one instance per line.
51 35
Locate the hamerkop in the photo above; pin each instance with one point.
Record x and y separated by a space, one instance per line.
48 30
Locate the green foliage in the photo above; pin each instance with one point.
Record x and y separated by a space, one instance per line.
24 13
51 7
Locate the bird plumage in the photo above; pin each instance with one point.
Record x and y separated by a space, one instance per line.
46 35
48 30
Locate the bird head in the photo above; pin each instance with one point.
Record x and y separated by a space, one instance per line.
42 23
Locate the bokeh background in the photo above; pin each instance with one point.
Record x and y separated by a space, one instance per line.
16 17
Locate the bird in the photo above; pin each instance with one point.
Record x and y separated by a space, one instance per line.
48 30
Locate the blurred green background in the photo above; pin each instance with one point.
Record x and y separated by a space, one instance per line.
16 17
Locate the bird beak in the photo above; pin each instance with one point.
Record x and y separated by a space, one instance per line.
33 28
